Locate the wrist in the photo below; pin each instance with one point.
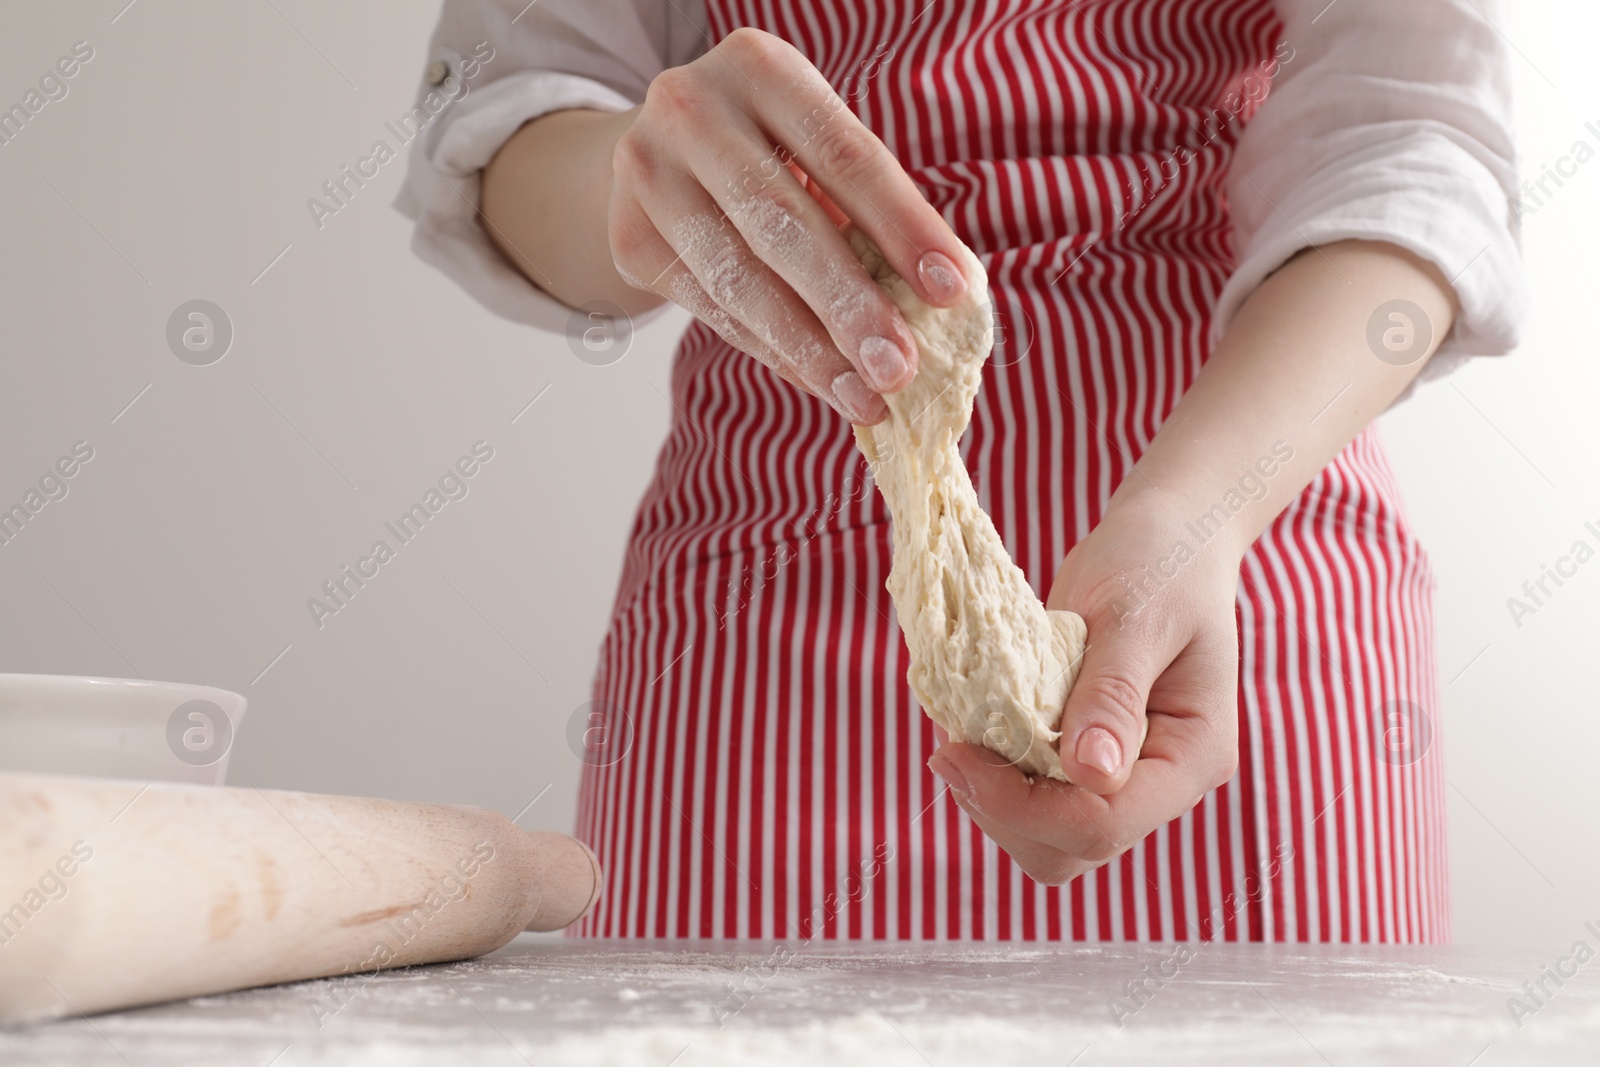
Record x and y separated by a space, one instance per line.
546 205
1148 559
1221 525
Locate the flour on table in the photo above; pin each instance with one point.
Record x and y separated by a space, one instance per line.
988 662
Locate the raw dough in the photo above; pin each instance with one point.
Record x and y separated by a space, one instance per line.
988 662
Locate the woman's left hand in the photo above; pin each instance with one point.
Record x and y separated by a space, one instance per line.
1162 647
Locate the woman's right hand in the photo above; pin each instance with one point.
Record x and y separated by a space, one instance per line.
729 187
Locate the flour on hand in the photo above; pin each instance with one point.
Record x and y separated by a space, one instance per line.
988 662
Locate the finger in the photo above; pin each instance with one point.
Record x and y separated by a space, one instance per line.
636 246
736 280
683 290
798 109
1086 825
670 277
1042 810
1105 716
1043 863
834 211
792 233
863 406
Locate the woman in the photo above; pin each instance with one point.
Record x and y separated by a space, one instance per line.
1204 298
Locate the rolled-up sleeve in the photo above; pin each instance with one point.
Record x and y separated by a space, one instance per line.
1389 121
495 64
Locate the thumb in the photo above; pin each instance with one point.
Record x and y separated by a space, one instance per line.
1104 723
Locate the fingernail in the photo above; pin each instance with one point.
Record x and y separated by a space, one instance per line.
941 276
1098 749
884 362
860 403
952 778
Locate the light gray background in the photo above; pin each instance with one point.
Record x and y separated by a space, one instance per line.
179 166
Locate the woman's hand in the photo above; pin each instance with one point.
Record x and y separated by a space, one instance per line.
1289 384
730 183
1162 649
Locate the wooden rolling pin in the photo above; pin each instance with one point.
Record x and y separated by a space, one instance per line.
118 893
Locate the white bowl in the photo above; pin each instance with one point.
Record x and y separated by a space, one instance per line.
117 728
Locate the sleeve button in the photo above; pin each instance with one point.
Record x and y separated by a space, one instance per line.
438 71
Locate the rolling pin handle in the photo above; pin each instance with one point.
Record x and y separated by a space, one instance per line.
570 881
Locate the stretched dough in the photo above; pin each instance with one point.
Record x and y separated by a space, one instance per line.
988 662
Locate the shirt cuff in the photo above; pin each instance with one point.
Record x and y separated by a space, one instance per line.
442 189
1428 196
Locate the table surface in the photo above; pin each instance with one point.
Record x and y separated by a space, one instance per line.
553 1001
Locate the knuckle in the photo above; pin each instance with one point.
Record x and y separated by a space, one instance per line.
632 159
740 283
1053 872
772 203
1223 771
1117 695
626 239
757 46
843 151
675 93
818 362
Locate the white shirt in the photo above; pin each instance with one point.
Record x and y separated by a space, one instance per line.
1391 123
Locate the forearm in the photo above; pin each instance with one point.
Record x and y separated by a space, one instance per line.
546 197
1292 381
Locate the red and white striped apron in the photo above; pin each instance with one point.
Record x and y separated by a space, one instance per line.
774 781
